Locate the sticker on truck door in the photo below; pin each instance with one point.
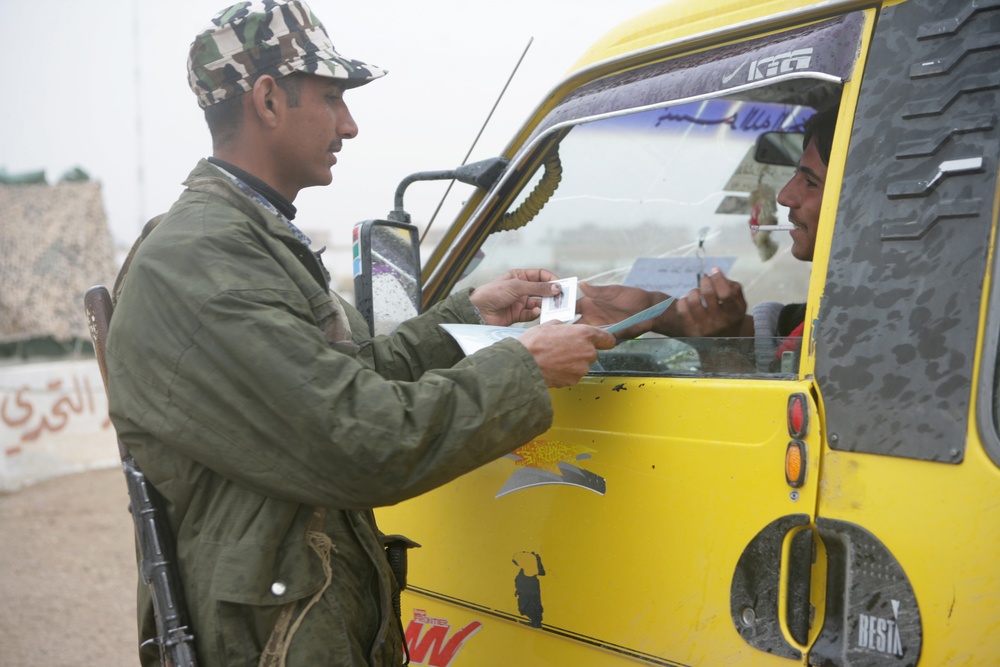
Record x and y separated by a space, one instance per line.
433 642
542 462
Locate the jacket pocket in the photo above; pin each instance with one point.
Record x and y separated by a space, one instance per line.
251 585
241 632
262 576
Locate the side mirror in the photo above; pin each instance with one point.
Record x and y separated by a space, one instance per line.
779 148
387 285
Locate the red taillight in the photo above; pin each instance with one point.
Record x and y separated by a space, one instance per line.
798 416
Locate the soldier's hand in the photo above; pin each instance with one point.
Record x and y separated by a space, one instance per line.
515 296
565 352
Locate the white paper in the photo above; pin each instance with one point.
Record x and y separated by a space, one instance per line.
675 276
474 337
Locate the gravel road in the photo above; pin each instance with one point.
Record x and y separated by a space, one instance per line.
67 573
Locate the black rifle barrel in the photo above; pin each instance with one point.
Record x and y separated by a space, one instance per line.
158 565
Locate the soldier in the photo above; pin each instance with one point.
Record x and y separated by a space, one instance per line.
253 398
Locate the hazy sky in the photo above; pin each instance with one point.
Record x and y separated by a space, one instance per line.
103 87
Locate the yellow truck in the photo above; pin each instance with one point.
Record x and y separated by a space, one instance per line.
841 508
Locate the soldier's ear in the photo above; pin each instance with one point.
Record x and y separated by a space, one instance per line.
266 100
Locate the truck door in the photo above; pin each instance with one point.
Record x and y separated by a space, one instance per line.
906 349
667 517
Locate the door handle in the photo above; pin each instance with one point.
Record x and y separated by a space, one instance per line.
770 570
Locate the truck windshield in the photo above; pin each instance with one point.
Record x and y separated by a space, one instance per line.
655 199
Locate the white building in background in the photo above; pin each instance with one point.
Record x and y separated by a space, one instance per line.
54 244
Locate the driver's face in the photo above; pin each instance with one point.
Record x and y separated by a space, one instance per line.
803 195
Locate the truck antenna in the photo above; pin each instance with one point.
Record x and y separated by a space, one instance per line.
476 140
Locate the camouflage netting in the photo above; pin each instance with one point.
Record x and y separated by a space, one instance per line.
54 244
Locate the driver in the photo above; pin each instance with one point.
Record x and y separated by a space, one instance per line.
717 307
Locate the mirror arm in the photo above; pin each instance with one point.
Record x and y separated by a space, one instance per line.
483 174
399 214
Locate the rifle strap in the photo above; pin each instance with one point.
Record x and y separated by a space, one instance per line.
275 650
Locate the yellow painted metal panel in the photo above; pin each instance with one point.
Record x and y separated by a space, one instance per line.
636 569
942 523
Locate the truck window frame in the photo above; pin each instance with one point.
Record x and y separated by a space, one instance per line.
595 103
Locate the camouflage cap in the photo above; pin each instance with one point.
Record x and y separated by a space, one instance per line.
275 37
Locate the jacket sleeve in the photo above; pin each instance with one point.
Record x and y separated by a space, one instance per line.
419 344
257 395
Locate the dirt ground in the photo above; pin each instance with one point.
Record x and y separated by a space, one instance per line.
67 573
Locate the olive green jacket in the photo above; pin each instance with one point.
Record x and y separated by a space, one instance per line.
250 396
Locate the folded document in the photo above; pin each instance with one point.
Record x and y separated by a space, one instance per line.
474 337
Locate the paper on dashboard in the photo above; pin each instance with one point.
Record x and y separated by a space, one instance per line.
474 337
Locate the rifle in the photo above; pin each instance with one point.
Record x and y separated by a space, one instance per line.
158 564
